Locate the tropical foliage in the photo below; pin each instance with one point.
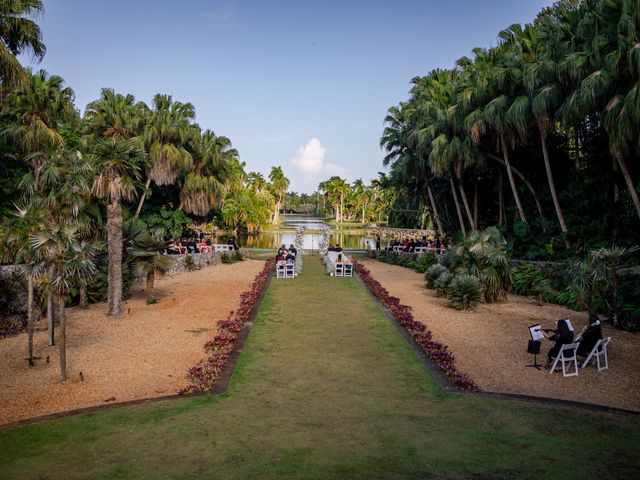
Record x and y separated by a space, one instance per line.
537 135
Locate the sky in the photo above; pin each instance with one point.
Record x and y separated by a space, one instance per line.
300 84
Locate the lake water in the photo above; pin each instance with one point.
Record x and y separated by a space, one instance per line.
343 236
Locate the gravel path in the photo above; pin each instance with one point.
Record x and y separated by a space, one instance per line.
143 354
490 344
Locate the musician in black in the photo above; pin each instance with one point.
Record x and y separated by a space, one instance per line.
561 335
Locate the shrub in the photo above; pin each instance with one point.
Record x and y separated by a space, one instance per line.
529 280
424 261
465 291
442 283
189 264
433 272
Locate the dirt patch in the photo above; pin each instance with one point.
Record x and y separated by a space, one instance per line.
490 344
143 354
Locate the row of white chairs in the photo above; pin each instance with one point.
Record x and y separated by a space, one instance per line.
286 269
568 358
400 249
338 269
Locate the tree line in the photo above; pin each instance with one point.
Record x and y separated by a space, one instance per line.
87 200
538 135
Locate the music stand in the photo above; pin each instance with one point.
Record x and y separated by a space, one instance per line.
534 348
534 344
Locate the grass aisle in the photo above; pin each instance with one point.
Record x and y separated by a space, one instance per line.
326 388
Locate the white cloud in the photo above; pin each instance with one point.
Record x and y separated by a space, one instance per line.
312 167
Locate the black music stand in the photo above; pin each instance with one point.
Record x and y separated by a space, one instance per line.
534 348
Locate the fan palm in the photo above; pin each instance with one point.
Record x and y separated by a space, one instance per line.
147 259
118 163
167 130
18 34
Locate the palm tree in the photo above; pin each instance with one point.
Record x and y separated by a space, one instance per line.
148 260
215 164
114 115
540 102
167 130
118 163
279 184
18 34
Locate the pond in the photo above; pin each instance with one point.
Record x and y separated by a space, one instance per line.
347 237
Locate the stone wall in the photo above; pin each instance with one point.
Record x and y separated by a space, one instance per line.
200 260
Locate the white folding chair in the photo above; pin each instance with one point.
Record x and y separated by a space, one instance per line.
567 355
599 351
290 270
348 270
339 270
281 271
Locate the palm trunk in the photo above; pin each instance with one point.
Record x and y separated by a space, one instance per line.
62 346
630 186
552 187
432 200
363 208
341 208
30 316
144 196
524 180
512 182
455 199
500 201
465 202
50 313
82 284
114 239
150 282
475 202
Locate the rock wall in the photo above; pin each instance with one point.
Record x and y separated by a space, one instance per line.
200 260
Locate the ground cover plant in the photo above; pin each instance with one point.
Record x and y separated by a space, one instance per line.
326 389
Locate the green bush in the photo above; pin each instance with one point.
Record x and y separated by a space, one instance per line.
442 283
432 273
465 291
189 264
424 261
530 280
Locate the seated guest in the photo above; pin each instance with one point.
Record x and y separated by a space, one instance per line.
173 249
338 248
562 335
280 256
339 259
589 336
293 249
290 255
232 243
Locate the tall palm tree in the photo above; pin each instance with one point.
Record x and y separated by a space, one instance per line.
18 34
118 163
114 115
168 127
215 164
279 184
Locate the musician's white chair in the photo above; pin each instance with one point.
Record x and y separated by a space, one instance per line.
281 271
567 356
599 352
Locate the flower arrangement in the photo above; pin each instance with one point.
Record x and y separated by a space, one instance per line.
437 351
299 238
325 238
203 376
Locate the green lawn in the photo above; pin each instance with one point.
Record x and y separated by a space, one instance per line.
326 388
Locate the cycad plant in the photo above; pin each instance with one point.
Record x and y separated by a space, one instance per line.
432 274
464 291
483 255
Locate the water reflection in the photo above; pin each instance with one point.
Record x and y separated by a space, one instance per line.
311 241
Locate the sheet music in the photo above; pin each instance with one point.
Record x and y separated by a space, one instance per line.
536 332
